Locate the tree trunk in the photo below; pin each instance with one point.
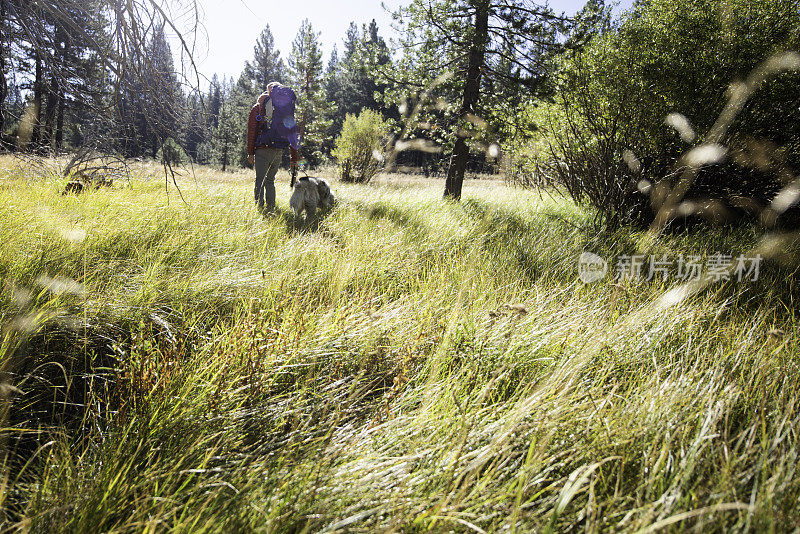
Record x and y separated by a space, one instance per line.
62 100
225 146
472 85
307 90
3 86
37 100
53 90
48 136
59 141
2 96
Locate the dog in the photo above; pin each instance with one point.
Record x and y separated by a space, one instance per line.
309 194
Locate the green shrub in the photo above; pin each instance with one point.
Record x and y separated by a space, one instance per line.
361 145
678 59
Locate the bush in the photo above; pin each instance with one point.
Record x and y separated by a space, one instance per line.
361 145
676 58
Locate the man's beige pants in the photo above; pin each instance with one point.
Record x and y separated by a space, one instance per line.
267 162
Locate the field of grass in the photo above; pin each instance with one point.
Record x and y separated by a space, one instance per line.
409 365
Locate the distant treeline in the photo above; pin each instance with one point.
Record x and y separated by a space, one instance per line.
601 107
457 70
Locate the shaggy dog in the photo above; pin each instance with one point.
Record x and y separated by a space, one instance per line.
309 194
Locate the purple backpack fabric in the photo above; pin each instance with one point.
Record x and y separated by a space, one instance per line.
281 132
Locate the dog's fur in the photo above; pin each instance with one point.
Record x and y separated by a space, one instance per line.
309 194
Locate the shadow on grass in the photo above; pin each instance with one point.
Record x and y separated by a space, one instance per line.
394 215
57 373
298 224
542 243
508 235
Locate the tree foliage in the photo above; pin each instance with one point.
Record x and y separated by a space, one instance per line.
353 82
655 86
266 65
306 77
152 110
84 64
486 46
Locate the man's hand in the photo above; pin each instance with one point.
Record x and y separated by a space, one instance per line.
293 157
252 159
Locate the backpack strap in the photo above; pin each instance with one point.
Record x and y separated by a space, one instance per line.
263 123
264 107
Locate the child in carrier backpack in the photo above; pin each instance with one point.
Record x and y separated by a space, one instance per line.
271 128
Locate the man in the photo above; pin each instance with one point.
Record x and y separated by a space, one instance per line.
267 139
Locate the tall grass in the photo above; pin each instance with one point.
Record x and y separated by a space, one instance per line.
408 365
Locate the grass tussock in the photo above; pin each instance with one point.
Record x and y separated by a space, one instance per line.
407 364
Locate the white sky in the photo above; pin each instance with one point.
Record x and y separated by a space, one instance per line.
232 26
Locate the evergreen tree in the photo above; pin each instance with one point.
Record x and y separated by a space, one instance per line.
214 102
196 126
153 109
467 38
266 65
242 100
79 87
334 89
226 135
306 77
93 72
166 97
353 82
5 45
332 71
350 41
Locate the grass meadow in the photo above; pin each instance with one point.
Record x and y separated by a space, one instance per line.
407 365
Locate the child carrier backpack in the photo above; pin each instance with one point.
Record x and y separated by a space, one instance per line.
281 131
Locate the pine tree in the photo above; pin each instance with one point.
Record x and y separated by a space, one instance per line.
352 83
334 89
152 109
214 100
167 99
465 38
5 45
196 126
88 69
306 76
77 77
332 78
227 135
266 65
241 101
350 41
62 69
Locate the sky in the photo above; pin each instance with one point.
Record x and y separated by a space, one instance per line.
231 27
